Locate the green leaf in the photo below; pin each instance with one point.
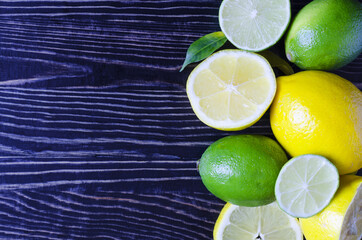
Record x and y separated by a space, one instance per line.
204 47
278 62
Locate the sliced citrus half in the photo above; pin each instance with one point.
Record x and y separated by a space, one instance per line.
231 89
265 222
305 185
254 25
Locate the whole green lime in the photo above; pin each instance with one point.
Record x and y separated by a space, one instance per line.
242 169
325 34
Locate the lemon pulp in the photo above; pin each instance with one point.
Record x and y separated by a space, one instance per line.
266 222
231 89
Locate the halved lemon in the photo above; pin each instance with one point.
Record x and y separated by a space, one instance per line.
265 222
231 89
254 25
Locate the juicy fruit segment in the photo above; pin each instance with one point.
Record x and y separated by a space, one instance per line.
305 185
231 89
242 169
342 218
316 112
325 35
266 222
254 25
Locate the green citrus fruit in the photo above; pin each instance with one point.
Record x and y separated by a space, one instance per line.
325 34
254 25
305 185
242 169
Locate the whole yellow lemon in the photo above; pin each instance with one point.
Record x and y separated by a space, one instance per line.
342 218
316 112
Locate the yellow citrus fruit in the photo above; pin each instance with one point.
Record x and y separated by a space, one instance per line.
342 219
266 222
316 112
231 89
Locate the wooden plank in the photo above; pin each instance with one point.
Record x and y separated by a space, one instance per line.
116 162
108 210
110 121
151 34
145 34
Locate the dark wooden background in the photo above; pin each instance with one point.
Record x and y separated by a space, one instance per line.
97 137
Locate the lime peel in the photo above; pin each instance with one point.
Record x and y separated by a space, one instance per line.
228 169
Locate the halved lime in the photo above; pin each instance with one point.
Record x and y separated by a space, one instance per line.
305 185
254 25
266 222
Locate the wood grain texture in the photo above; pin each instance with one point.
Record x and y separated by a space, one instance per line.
97 137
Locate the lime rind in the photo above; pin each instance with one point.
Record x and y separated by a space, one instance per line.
254 25
305 185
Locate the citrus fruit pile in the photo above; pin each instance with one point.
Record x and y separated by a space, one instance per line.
300 181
